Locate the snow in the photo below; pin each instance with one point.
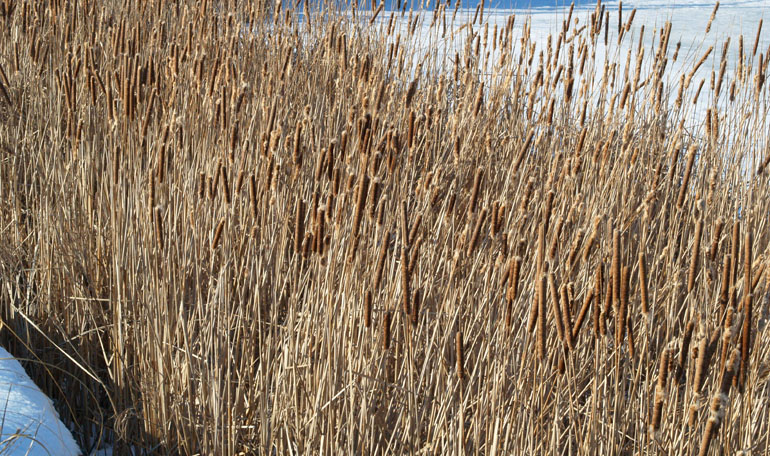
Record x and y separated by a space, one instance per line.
29 424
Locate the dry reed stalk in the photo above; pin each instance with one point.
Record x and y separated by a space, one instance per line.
734 264
541 298
616 269
363 184
660 392
381 260
693 270
727 334
719 403
748 304
386 331
724 291
459 355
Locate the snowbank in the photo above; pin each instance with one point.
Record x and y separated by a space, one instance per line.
29 425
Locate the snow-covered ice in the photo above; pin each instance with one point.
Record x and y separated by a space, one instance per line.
29 424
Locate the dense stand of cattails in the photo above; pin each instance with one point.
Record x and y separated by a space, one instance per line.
506 197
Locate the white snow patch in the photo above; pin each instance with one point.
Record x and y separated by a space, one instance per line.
29 424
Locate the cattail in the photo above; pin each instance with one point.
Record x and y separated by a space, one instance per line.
616 269
705 351
363 184
573 252
368 309
513 278
607 307
202 186
523 150
556 308
225 184
724 291
727 334
159 228
541 317
686 177
592 239
381 260
566 316
660 391
555 238
415 227
476 230
415 307
734 264
756 39
715 238
711 19
540 248
583 312
299 226
623 309
547 210
747 319
684 351
415 255
718 405
693 270
459 355
386 331
475 191
643 284
598 296
217 234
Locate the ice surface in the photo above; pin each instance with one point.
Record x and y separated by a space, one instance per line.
29 424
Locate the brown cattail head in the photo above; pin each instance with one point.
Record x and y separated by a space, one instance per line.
643 284
368 309
693 270
622 314
299 226
217 234
459 355
475 190
684 352
660 391
616 269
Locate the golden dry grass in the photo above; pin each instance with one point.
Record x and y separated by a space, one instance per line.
292 241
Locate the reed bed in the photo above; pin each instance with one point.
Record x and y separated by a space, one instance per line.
231 228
